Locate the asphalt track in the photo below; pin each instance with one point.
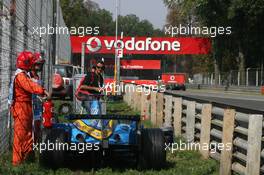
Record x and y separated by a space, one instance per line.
240 100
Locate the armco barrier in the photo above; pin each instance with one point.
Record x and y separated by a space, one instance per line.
249 89
208 124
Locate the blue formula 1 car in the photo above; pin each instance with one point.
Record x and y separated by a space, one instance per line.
103 139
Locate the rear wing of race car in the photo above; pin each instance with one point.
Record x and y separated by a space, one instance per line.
105 117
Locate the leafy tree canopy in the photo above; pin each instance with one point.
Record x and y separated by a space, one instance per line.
87 13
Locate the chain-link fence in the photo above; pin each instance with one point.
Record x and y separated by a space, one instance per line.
249 77
19 22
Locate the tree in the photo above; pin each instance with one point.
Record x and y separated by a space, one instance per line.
131 25
90 5
245 17
87 13
80 13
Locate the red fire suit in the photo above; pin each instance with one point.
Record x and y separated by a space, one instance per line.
21 109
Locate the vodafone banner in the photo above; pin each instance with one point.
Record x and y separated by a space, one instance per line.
140 64
141 45
173 78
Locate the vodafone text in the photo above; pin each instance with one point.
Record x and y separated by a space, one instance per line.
94 44
142 45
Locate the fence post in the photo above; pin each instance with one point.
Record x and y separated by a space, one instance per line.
134 99
144 104
238 78
190 121
153 115
138 101
148 106
254 144
257 78
168 111
177 116
142 101
160 109
227 138
125 97
205 128
129 93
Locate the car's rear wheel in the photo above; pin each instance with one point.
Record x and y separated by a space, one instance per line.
53 156
152 154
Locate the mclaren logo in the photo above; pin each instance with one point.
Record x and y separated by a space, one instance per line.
94 44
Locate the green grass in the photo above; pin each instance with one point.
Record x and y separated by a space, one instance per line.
120 108
57 104
179 162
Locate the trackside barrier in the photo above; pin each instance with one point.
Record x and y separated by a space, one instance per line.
211 125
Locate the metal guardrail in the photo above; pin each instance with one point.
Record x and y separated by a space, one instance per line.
200 121
251 89
249 77
219 104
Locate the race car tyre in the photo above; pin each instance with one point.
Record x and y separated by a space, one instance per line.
53 156
152 154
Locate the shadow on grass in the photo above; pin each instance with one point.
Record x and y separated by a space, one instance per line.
119 165
179 162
